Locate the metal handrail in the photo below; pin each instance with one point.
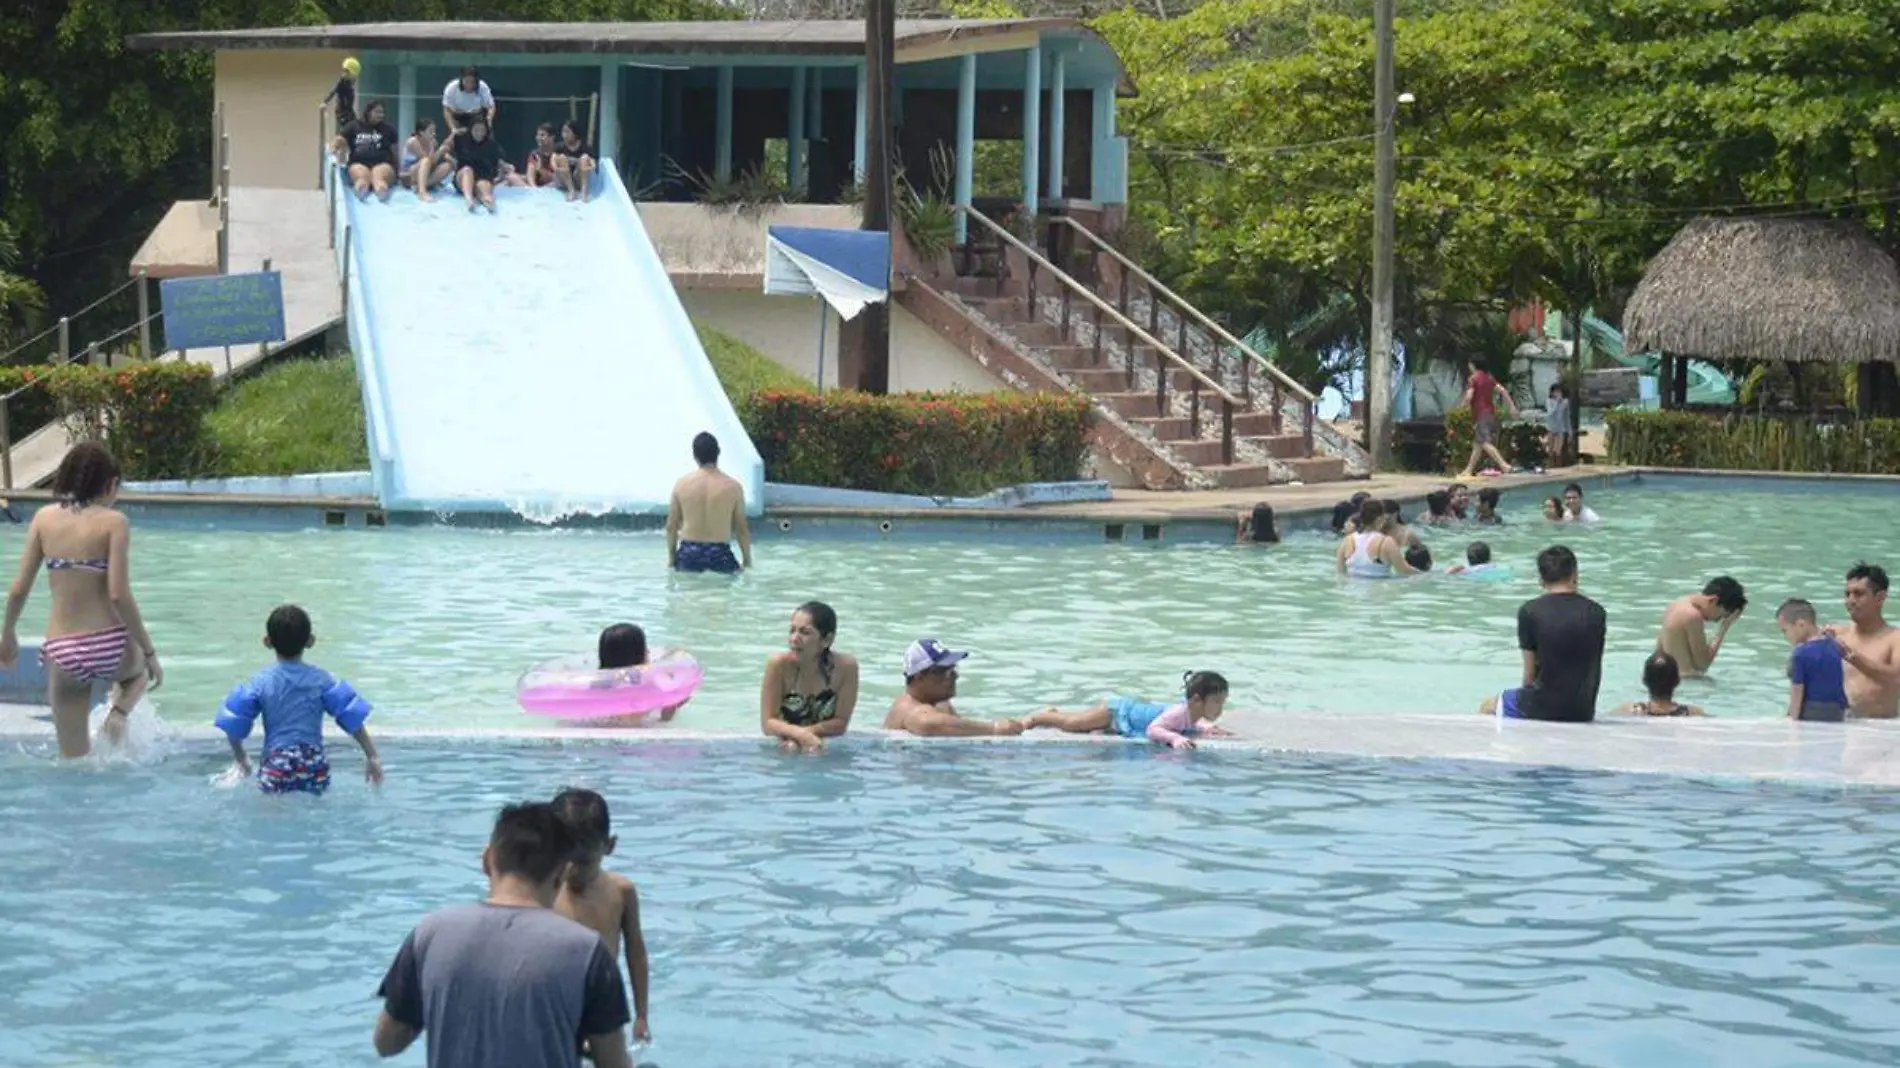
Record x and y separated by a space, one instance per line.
1181 304
1101 305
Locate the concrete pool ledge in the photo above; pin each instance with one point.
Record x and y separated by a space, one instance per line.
1864 754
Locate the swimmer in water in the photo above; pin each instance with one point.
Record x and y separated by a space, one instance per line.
1370 551
925 708
1257 527
810 690
1420 557
1574 508
600 899
1477 560
623 646
1817 680
292 697
1176 725
1684 635
1488 498
1661 676
1554 509
1459 497
1437 510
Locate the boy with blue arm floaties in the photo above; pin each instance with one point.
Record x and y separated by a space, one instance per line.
293 697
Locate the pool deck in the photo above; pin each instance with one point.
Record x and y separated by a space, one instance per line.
1860 754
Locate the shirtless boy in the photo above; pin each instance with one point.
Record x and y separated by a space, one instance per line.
1684 635
706 514
602 900
930 681
1870 648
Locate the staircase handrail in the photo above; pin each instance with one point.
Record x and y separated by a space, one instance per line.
1101 305
1181 305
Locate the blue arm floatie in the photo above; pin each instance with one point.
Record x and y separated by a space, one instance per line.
345 706
241 709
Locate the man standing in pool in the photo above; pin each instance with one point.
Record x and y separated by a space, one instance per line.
1561 635
1870 648
509 983
707 514
1684 633
930 681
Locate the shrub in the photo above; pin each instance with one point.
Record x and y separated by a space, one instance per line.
1754 443
33 408
1521 443
744 370
943 444
152 415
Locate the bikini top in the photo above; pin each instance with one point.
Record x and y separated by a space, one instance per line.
63 563
804 710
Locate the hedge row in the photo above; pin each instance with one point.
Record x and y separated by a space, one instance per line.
941 444
1521 443
1754 443
151 415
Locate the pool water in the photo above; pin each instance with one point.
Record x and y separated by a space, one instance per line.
1004 905
434 625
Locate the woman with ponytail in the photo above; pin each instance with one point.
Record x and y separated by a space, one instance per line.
810 690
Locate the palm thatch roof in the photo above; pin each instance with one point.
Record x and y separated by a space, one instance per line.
1784 290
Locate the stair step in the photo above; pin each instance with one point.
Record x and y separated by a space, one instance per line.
1204 452
1038 334
1100 379
1166 428
1131 405
1319 469
1004 310
1073 357
1234 476
1280 446
964 286
1256 424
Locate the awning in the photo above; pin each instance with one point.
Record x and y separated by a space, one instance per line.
848 268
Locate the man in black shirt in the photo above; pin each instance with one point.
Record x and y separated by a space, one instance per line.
477 163
344 94
1561 635
368 146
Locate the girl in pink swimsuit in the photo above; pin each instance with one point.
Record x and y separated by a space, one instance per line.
94 632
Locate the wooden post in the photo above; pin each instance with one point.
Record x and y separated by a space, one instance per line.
263 347
146 351
65 339
6 446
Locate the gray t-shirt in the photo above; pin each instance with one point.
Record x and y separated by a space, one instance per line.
493 986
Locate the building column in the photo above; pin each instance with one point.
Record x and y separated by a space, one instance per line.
857 154
816 120
795 137
722 129
1032 128
608 146
406 100
1107 178
1058 91
966 140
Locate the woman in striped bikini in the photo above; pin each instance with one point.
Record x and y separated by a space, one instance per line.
94 632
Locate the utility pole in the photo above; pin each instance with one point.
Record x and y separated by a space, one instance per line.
1380 350
872 326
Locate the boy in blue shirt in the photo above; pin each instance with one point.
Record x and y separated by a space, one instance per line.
293 697
1817 690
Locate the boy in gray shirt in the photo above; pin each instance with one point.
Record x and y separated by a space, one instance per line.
509 983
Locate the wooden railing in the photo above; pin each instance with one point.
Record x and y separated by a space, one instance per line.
1165 357
1278 381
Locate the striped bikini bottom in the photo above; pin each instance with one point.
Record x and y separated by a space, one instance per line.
90 657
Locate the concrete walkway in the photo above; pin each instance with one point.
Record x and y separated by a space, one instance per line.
288 227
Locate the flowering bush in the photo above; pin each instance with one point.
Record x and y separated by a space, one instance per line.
1754 443
33 408
1521 443
151 415
940 444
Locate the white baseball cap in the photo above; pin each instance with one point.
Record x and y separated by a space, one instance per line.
926 654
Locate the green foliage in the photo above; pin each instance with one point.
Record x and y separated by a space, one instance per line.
19 296
300 417
952 444
152 415
1521 443
32 408
1753 443
744 370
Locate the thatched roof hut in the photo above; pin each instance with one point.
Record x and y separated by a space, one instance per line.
1768 289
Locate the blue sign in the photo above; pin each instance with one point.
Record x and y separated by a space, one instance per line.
225 309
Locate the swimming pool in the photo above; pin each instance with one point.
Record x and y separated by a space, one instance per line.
1003 905
435 624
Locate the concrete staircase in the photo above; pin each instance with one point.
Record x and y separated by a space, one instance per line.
1165 398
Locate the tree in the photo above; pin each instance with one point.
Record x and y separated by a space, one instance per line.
18 296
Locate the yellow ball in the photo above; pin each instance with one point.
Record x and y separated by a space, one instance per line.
352 66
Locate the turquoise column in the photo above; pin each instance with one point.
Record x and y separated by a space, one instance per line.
1058 94
966 140
722 129
609 144
405 100
817 118
1032 128
857 154
1107 177
795 137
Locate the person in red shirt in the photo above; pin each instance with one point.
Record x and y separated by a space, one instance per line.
1482 394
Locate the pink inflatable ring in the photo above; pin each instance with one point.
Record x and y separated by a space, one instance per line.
575 691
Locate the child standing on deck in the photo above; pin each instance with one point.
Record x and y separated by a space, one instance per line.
1171 725
293 697
602 900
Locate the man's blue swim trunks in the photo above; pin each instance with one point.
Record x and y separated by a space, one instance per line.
706 556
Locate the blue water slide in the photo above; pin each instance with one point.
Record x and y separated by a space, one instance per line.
535 360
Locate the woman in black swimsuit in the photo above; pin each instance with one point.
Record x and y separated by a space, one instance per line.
809 691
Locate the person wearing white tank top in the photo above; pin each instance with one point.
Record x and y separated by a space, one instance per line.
1370 551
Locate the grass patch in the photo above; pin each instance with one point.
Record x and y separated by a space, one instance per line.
744 370
300 417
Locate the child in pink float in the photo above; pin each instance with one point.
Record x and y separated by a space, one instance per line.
1173 725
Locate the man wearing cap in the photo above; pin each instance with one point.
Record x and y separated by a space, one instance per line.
930 681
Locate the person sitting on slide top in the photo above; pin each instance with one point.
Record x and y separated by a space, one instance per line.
574 163
466 99
424 163
540 162
930 681
810 690
293 698
476 158
1684 633
1661 676
368 147
1175 725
